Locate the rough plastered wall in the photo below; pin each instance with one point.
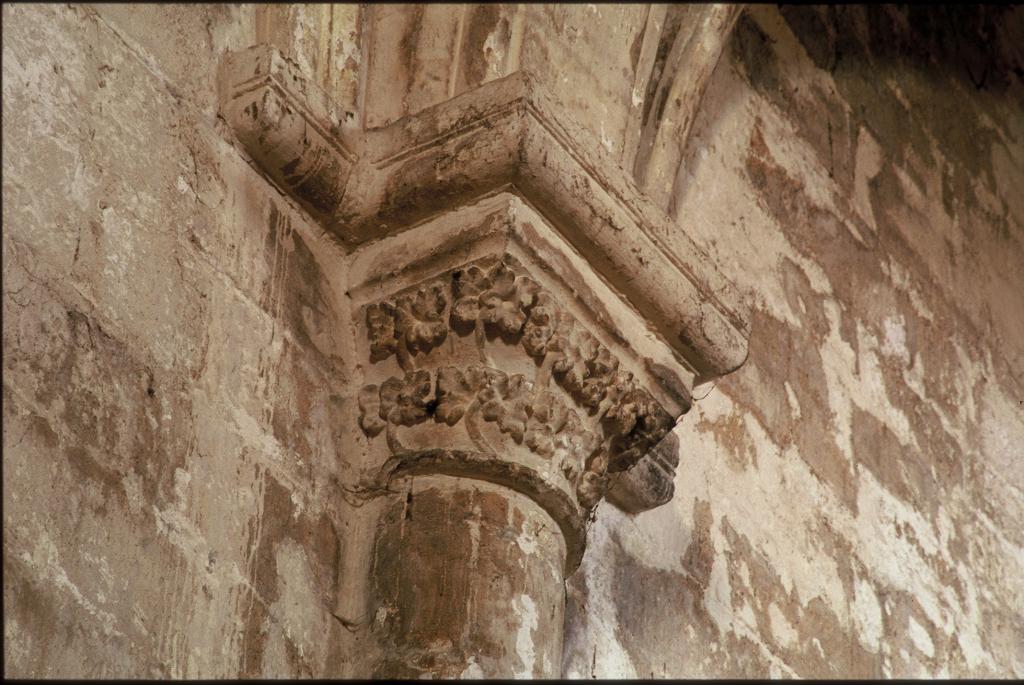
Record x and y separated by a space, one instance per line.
170 385
850 502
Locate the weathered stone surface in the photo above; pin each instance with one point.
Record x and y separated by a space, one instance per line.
179 355
170 379
467 583
846 502
579 416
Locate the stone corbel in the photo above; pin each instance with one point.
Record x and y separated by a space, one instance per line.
522 324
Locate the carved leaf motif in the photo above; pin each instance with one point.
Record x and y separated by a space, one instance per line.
505 304
585 442
567 445
504 401
369 410
420 317
540 326
574 447
632 421
582 347
492 392
467 286
526 292
455 390
600 374
621 415
512 420
404 401
380 328
546 418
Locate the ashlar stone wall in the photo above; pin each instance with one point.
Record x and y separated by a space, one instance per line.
849 501
171 366
176 356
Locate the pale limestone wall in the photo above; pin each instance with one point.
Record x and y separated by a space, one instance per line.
170 365
848 503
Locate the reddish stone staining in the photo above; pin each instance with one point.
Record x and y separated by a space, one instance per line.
930 477
881 452
731 433
450 576
906 476
299 392
700 553
39 613
296 289
486 32
94 386
904 117
805 302
872 101
814 232
785 199
806 634
295 294
262 574
277 522
820 119
906 629
781 355
947 574
681 611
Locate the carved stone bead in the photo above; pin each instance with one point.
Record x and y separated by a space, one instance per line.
577 352
540 325
620 417
594 482
600 374
649 427
573 446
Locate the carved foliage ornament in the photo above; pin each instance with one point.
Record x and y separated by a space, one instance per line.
481 299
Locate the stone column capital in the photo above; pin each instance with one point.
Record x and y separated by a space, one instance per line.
525 341
490 356
522 318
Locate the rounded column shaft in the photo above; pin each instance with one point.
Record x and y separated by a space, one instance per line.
467 578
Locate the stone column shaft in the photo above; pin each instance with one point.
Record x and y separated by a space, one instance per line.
467 578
